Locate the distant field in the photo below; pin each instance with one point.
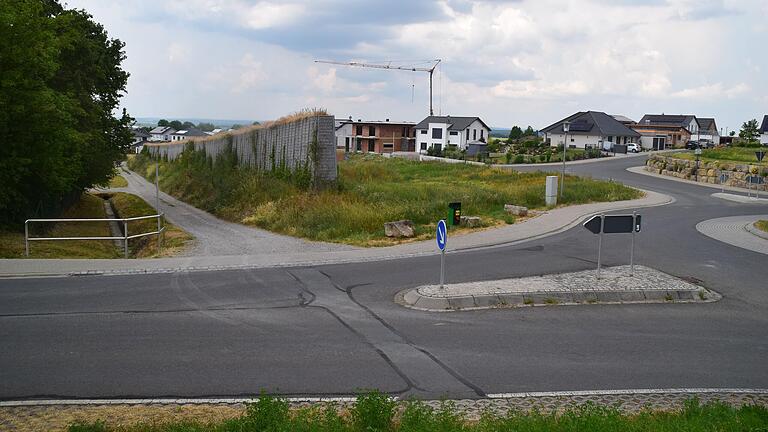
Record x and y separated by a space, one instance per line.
372 190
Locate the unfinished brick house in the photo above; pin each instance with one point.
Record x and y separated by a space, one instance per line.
375 136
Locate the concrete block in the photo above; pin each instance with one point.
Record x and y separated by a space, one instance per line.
608 296
487 301
686 295
461 302
433 303
512 299
632 296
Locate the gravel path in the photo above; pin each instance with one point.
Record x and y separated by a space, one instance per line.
216 237
733 230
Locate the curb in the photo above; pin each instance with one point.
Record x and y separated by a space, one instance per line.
750 227
412 299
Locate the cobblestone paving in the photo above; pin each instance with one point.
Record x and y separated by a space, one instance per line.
57 417
612 279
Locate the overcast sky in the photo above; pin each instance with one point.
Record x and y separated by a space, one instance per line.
509 62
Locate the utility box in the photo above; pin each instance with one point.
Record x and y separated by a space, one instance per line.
454 213
550 193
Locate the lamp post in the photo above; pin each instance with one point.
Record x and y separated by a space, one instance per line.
566 128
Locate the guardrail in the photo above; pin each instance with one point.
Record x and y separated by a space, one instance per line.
125 237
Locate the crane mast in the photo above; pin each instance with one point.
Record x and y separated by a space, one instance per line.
430 70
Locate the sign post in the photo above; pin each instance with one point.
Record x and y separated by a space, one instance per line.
442 239
614 224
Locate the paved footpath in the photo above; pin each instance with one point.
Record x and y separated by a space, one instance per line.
736 231
285 251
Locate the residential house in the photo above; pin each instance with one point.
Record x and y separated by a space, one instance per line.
187 134
139 138
708 130
626 121
161 133
441 132
660 131
764 131
589 129
374 136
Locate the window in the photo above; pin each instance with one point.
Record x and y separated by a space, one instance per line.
467 134
482 135
371 145
389 146
572 139
474 134
423 146
371 131
346 144
405 132
453 133
359 130
423 131
437 133
358 144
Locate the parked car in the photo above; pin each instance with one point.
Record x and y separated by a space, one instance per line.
692 145
633 148
706 143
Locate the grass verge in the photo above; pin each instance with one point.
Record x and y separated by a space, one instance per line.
174 239
762 225
742 155
118 181
89 206
376 412
371 190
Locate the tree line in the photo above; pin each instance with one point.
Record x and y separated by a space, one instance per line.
61 81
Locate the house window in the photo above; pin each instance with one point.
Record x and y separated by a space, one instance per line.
453 133
437 133
371 145
405 132
358 144
423 131
474 134
572 139
423 146
482 135
346 144
467 134
359 130
371 131
389 147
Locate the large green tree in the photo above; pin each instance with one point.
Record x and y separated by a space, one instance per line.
749 130
515 133
60 85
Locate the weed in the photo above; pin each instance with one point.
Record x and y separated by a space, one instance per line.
373 411
668 297
550 301
702 295
528 301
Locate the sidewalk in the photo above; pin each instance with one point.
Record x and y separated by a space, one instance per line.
552 222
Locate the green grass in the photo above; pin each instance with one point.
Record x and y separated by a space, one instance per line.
174 239
724 154
374 412
762 225
371 190
89 206
118 181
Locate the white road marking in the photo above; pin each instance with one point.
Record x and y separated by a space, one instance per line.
625 392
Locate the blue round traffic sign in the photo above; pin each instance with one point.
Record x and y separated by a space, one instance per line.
442 235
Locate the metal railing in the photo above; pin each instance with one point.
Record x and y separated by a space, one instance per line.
125 237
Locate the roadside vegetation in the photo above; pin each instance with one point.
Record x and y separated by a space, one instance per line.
371 190
762 225
743 155
92 207
375 412
118 181
88 206
174 239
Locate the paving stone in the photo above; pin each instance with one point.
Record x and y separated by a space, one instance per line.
461 302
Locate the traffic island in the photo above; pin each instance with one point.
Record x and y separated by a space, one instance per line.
615 286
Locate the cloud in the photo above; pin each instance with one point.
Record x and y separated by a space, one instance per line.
264 15
717 90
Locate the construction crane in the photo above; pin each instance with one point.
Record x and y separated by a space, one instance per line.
388 65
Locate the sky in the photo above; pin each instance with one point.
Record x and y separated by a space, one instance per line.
524 62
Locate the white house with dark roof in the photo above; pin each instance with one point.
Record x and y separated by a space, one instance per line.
708 130
161 133
441 132
589 129
764 131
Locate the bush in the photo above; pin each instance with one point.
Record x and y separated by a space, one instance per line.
373 411
519 159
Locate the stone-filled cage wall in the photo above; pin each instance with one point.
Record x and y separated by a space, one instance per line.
300 142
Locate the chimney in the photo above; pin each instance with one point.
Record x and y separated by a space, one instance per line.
350 118
358 120
387 119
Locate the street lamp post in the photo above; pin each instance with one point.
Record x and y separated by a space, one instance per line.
566 128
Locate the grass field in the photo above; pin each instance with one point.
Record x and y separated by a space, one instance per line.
375 412
726 154
372 190
762 225
89 206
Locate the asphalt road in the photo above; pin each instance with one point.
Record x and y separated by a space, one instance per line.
334 330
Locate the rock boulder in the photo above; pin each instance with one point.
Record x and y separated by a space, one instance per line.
402 228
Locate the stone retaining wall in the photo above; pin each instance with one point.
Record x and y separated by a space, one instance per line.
307 142
708 172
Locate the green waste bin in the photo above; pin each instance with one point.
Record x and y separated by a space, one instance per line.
454 214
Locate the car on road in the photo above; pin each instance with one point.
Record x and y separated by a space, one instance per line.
633 148
706 143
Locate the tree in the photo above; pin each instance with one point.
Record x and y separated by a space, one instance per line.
61 82
163 123
732 133
236 126
176 125
515 133
187 125
529 132
256 123
749 130
206 127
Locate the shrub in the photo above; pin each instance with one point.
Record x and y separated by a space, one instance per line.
519 159
373 411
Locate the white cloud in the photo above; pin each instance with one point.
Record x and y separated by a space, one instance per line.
717 90
177 52
264 15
